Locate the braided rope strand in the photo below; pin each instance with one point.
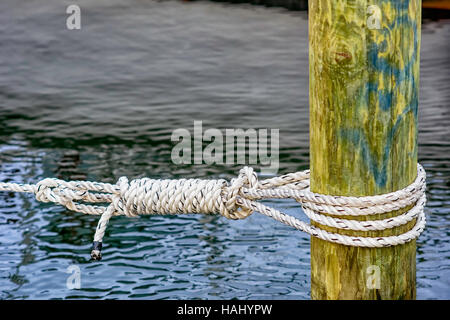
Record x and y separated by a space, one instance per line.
238 200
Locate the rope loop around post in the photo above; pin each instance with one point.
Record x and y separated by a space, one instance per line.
238 200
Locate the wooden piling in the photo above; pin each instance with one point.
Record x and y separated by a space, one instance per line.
364 84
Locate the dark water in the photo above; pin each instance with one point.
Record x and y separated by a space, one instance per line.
102 102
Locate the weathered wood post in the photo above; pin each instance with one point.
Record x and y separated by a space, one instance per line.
364 82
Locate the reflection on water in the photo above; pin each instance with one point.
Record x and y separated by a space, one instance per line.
102 102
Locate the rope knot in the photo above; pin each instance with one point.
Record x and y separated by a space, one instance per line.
59 191
44 190
121 201
232 194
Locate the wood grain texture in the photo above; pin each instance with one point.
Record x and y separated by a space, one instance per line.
364 87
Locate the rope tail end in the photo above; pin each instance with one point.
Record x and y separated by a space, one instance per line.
96 254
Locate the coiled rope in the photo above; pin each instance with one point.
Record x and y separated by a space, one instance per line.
238 200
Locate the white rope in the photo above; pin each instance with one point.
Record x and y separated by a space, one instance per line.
238 200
